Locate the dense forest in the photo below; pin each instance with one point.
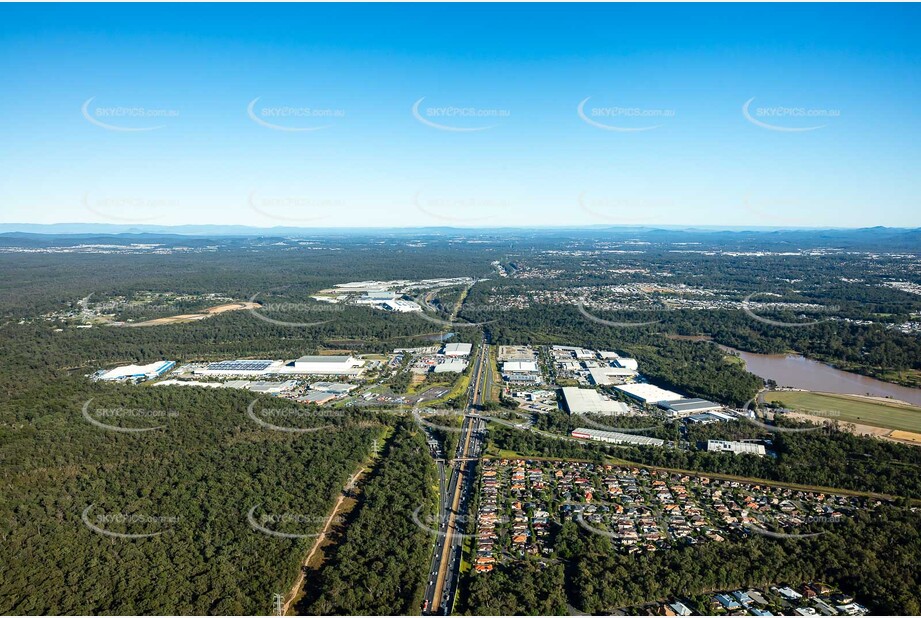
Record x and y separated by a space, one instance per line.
523 589
190 483
380 567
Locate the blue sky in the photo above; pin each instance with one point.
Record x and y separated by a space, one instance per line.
667 84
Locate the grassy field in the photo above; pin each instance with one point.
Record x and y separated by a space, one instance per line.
460 387
852 409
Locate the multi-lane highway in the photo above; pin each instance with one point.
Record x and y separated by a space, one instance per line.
455 500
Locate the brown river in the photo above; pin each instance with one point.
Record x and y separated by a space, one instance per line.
800 372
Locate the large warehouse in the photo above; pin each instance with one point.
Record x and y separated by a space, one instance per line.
627 363
137 372
336 388
451 365
457 350
590 401
648 393
326 365
687 407
521 372
241 367
399 306
615 437
603 376
724 446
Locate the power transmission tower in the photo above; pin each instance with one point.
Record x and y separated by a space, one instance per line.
279 605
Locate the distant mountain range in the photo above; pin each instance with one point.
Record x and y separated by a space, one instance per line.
244 230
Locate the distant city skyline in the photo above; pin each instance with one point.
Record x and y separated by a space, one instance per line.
461 116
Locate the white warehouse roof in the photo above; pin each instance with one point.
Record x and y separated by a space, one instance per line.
455 365
138 371
589 401
690 406
615 437
603 375
325 359
724 446
648 393
325 365
519 366
458 349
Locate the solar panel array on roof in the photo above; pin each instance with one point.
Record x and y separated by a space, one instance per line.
240 365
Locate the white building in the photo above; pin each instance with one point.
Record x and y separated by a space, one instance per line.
590 401
689 407
379 295
521 372
457 349
569 365
326 365
317 397
519 367
572 352
725 446
452 365
400 306
615 437
272 388
241 367
137 372
228 384
648 393
603 376
336 388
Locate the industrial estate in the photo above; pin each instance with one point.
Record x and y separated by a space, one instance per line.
520 502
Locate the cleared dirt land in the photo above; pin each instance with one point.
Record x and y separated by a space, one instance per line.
192 317
904 420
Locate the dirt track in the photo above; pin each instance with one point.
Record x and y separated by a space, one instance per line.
894 435
292 595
